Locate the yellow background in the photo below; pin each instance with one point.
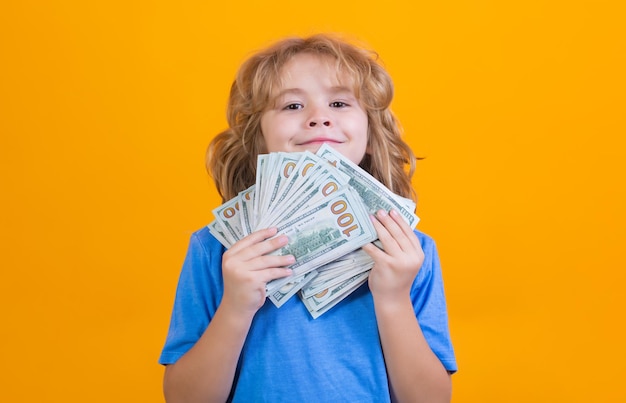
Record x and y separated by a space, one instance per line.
518 106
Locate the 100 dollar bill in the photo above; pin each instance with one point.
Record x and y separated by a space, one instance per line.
336 226
323 301
375 195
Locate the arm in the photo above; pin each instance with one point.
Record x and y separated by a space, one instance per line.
415 372
206 372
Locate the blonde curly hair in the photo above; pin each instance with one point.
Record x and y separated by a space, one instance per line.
232 155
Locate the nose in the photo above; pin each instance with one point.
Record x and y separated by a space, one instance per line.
313 123
318 118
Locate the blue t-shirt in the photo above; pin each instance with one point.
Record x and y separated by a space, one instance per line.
288 356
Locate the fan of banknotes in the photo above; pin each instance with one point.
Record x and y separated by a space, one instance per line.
322 202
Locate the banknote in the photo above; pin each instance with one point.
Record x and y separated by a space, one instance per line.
322 184
286 291
338 271
320 303
330 281
374 194
336 226
247 214
322 202
228 215
282 167
306 168
261 178
220 234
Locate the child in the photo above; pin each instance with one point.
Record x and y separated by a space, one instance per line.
388 340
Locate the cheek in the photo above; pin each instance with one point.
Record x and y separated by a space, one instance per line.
266 127
364 130
362 120
278 132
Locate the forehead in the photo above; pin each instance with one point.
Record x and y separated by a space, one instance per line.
308 66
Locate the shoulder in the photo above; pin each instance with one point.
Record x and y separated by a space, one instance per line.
203 239
431 266
427 242
201 275
423 237
204 249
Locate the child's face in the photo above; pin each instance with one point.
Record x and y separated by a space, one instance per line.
315 105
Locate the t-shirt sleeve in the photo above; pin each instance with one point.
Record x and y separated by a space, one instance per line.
198 294
429 303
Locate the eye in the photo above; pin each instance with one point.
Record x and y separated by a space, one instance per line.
338 104
293 107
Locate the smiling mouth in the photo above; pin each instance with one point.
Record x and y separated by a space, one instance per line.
319 141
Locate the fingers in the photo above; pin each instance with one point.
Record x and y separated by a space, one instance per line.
254 238
258 243
249 265
387 231
253 253
268 275
271 261
373 251
394 232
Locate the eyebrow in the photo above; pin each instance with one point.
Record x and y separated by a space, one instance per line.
336 89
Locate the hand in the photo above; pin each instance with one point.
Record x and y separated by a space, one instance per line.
247 268
396 266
